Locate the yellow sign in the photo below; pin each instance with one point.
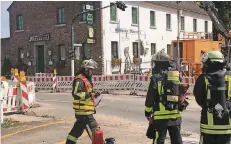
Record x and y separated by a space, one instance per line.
91 32
90 41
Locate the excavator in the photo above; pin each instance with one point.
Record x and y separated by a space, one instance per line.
212 12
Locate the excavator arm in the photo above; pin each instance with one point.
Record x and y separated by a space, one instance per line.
210 8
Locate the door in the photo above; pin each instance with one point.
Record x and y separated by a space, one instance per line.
40 59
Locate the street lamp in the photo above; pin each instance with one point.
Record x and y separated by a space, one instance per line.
119 5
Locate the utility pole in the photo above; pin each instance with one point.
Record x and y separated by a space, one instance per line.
139 34
178 34
119 5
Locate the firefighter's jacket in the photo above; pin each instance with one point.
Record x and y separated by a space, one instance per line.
153 103
83 102
210 123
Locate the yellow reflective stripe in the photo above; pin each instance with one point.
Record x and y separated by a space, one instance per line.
76 88
162 108
174 79
87 102
71 138
167 116
159 88
82 95
210 119
216 131
166 112
215 126
148 109
229 87
84 107
84 113
89 130
157 136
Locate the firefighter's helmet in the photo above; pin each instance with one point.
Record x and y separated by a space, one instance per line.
89 64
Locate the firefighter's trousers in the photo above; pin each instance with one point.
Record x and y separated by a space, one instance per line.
215 139
174 133
87 122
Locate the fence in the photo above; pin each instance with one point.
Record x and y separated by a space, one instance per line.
114 84
16 98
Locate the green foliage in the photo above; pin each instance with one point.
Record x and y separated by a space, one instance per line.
8 123
6 68
224 12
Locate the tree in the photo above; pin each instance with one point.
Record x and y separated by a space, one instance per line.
6 68
224 12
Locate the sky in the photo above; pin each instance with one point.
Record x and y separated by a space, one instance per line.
5 31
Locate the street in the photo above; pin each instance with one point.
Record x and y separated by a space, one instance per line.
121 117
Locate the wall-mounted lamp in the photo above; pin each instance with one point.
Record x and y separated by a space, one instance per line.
50 62
22 55
49 52
28 54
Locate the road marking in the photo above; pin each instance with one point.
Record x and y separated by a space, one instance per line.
35 127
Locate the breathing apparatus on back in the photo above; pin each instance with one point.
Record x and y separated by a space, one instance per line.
217 100
173 92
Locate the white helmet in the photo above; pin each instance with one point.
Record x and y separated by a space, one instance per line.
90 64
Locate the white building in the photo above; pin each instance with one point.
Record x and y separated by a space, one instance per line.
158 27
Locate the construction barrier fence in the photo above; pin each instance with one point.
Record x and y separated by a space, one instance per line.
16 98
114 84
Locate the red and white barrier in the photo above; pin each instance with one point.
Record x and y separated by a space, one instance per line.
43 74
111 83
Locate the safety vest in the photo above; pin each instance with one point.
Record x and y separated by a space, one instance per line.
85 104
213 124
228 83
162 113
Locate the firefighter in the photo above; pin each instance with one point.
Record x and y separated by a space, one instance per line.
164 103
83 102
211 94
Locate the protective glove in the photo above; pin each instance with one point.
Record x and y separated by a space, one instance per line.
148 114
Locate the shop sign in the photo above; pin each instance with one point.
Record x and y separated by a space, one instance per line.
43 37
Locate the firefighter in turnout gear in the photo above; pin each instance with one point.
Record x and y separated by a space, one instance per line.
83 102
211 93
163 100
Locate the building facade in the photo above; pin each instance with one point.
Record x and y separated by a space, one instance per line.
40 35
158 28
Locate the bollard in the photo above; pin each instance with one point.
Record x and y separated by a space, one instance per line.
16 76
54 86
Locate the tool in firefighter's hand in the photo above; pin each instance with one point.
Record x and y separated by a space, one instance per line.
182 102
98 97
151 129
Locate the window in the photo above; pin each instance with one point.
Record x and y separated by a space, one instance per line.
113 13
168 49
153 48
134 16
62 50
182 23
135 49
152 19
206 26
194 25
87 51
19 20
168 21
83 16
60 16
114 49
